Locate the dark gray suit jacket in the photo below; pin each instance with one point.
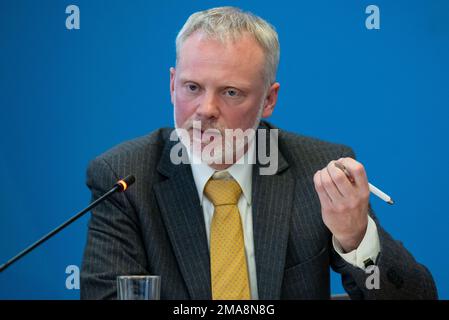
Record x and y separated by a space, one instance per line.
157 227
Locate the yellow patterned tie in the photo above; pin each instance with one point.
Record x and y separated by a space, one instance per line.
229 271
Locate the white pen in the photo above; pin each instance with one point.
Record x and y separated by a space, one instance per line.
385 197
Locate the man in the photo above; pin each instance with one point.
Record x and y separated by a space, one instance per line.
222 230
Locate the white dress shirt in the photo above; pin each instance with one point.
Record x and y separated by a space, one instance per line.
242 173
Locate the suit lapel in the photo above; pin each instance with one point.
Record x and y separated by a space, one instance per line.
184 220
272 207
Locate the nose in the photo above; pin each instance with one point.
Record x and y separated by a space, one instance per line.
208 107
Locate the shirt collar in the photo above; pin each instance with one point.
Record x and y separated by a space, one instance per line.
241 172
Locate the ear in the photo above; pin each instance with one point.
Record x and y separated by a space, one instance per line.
172 85
270 100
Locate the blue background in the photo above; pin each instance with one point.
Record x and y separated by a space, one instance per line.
68 95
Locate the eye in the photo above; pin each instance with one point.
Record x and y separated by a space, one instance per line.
191 87
232 93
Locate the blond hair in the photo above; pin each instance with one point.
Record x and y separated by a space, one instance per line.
224 23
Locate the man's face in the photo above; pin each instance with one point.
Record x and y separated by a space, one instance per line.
220 85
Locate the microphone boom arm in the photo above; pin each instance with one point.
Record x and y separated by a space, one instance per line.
121 186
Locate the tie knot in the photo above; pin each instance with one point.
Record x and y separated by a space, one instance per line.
223 191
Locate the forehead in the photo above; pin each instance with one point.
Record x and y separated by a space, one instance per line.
200 55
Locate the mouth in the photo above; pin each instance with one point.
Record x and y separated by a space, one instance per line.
205 136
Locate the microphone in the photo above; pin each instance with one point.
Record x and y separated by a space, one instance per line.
121 186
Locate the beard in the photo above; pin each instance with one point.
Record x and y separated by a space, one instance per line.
206 134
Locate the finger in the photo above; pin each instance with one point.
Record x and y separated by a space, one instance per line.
322 194
330 186
357 171
340 179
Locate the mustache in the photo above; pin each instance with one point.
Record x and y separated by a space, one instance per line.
204 125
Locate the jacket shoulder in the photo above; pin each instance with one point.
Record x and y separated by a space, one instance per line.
308 153
311 145
138 156
151 141
302 145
